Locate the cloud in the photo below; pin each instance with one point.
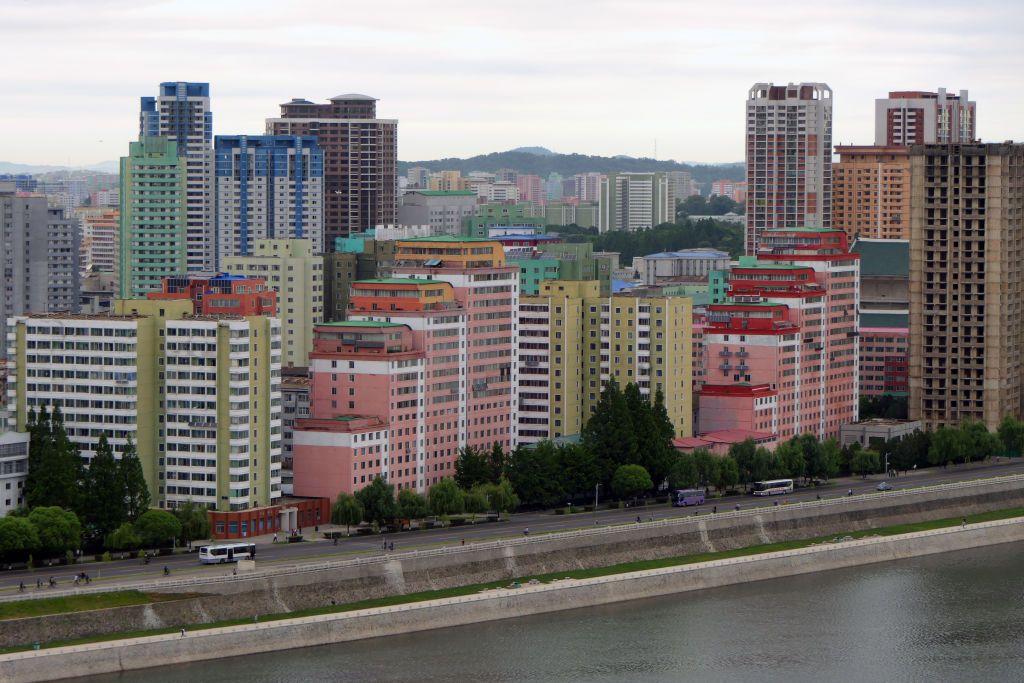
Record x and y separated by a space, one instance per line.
468 77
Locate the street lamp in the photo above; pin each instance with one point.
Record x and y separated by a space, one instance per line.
596 487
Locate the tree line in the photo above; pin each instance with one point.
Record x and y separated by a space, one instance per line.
104 505
682 234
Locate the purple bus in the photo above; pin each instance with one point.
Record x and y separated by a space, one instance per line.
686 497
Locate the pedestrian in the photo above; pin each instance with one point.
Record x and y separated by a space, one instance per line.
275 538
21 587
39 584
652 518
963 523
316 528
182 631
234 571
526 531
638 519
714 509
463 541
391 546
335 540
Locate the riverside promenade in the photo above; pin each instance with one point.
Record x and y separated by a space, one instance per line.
162 650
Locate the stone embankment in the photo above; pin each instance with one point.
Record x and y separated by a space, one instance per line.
288 589
162 650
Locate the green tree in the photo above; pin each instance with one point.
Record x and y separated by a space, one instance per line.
1011 434
948 444
103 504
133 482
18 538
981 444
578 471
58 530
472 467
498 460
346 510
761 465
829 458
864 462
195 522
58 474
707 467
476 500
743 453
446 498
502 497
534 475
412 505
728 474
630 481
157 528
791 457
683 474
378 501
609 433
123 537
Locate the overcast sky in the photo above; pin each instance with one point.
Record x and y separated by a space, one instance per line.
472 77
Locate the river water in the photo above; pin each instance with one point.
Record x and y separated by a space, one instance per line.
954 616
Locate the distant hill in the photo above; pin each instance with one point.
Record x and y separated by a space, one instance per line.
542 161
34 169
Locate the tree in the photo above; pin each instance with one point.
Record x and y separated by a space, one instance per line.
55 468
498 461
948 444
981 444
346 510
728 474
103 505
446 498
791 458
577 470
683 474
864 462
157 528
534 475
378 501
472 467
761 465
609 433
123 537
829 459
476 501
18 538
412 505
59 530
707 467
502 497
743 453
195 523
133 482
630 481
1011 434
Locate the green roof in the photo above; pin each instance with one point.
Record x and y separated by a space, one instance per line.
448 238
445 193
885 319
883 258
361 323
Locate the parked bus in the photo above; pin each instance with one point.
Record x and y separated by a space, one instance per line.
227 552
684 497
773 487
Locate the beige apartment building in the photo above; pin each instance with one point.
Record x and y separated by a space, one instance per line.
966 283
871 192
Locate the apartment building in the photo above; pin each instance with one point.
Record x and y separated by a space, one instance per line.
871 197
884 338
267 187
39 257
153 234
443 211
635 201
181 114
198 394
291 269
781 354
99 245
360 159
789 158
424 365
966 283
918 117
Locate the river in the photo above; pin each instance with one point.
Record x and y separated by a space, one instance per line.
955 616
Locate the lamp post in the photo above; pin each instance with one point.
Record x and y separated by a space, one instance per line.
596 487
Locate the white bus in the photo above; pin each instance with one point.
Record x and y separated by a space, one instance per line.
227 552
773 487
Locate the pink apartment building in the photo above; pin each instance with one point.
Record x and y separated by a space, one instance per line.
424 365
781 356
531 189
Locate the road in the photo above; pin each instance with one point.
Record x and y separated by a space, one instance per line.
536 522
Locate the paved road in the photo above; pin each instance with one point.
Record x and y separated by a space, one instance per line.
536 522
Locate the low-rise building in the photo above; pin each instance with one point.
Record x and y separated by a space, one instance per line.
674 265
876 431
443 211
13 469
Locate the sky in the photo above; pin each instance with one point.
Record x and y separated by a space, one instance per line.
637 77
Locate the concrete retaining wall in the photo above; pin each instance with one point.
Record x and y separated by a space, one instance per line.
164 650
287 591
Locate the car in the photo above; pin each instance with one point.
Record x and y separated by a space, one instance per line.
884 486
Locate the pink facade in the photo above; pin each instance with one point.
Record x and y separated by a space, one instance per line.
884 361
423 367
790 327
720 442
531 188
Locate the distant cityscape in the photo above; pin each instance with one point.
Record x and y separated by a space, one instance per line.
281 316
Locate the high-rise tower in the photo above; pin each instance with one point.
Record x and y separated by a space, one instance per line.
181 113
789 158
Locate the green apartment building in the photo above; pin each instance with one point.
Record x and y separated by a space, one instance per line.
152 230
